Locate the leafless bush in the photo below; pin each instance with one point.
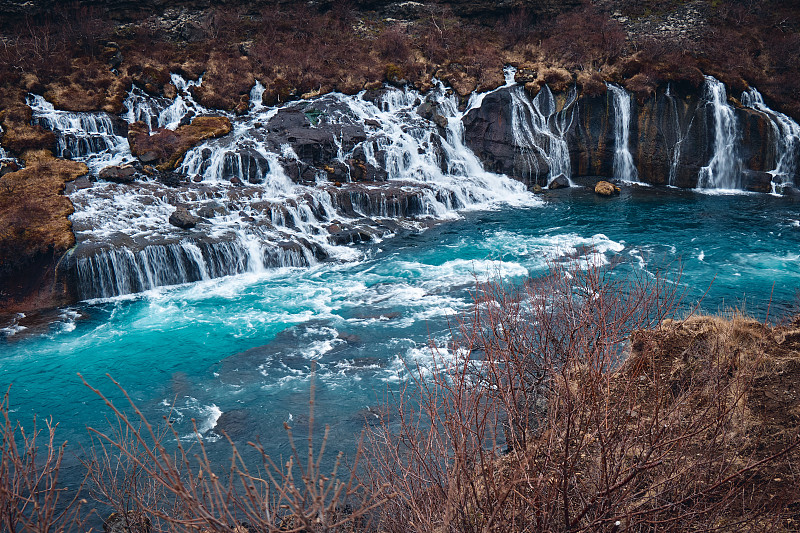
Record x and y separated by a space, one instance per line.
599 434
30 496
153 481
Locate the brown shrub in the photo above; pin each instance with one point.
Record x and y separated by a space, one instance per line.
584 38
599 434
591 83
558 79
393 44
31 499
20 135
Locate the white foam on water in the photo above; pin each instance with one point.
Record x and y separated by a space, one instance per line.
14 327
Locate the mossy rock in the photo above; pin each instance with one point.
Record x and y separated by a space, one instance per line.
167 147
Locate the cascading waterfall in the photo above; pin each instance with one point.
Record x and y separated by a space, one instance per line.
125 244
88 137
159 112
787 139
675 156
3 153
114 271
723 171
539 130
257 97
623 159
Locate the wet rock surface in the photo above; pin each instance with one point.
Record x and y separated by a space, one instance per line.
672 137
181 218
166 147
604 188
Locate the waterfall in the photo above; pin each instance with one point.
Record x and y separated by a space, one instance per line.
787 140
125 243
257 97
88 137
115 271
159 112
3 153
723 171
539 131
675 156
623 160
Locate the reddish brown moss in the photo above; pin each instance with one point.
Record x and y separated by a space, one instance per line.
19 134
167 147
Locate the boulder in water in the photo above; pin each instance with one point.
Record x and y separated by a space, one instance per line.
118 174
559 182
790 191
604 188
756 181
430 110
182 218
235 424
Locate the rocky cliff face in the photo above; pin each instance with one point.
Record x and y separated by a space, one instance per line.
673 136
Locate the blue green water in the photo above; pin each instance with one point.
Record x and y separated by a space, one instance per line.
245 345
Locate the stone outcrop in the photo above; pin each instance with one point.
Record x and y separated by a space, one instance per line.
118 174
604 188
181 218
671 138
167 147
35 232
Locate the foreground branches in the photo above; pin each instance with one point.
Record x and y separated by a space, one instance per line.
575 404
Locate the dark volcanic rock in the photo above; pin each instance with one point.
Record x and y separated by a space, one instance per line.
235 424
306 129
559 182
118 174
182 218
7 166
672 137
756 181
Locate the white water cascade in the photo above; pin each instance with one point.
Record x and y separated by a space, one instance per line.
539 130
265 219
159 112
675 156
3 153
723 171
89 137
787 136
623 159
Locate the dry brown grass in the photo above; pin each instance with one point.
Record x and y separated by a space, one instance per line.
33 210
